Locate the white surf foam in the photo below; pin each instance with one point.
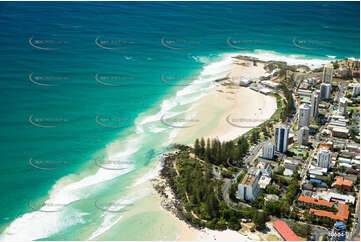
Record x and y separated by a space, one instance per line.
110 219
313 63
37 225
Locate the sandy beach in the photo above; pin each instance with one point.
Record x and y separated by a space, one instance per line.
229 110
226 112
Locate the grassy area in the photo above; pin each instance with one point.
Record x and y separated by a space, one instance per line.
355 109
299 152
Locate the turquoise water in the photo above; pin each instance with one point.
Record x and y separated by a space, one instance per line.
85 82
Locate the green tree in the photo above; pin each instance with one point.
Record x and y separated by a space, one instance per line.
203 149
260 219
197 147
272 190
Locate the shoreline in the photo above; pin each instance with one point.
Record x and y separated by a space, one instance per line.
223 100
170 205
222 112
227 100
189 231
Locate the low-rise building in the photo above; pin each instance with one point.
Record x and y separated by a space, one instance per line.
342 106
344 160
355 89
291 167
265 167
317 171
270 84
341 183
286 233
304 92
271 197
264 181
307 186
314 202
340 132
288 172
332 196
341 215
241 81
353 148
350 177
265 91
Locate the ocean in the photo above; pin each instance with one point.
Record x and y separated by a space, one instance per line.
86 88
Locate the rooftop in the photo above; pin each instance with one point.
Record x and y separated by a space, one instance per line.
325 146
342 182
315 201
341 215
285 231
332 196
250 177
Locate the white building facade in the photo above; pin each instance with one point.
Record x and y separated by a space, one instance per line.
342 106
315 101
268 151
302 135
355 89
248 189
304 115
327 73
323 158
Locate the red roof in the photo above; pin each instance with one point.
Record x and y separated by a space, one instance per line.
315 201
325 146
341 215
342 182
285 231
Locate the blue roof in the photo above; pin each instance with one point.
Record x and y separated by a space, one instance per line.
318 182
340 225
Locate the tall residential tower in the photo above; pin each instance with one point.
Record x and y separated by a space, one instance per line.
281 138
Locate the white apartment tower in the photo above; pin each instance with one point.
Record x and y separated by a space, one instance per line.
248 188
355 89
268 151
304 116
315 101
302 135
323 158
327 73
342 106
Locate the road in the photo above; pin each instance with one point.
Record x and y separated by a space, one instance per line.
254 152
225 195
228 182
355 231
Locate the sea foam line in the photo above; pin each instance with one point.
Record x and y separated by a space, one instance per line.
19 228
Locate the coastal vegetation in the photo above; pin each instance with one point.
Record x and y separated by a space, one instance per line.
290 106
198 187
199 191
221 153
196 176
